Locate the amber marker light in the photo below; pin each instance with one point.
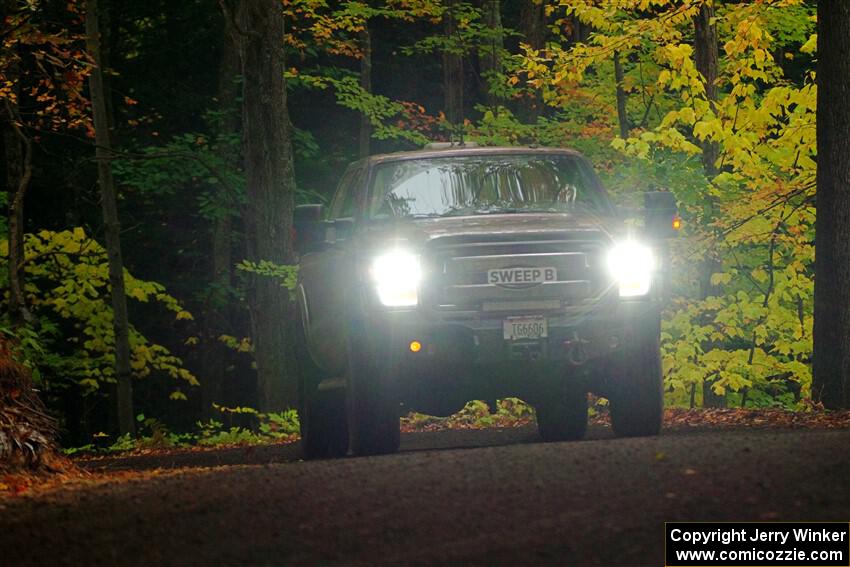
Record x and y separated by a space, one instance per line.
415 346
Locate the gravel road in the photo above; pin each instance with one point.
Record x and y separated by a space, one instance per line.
454 497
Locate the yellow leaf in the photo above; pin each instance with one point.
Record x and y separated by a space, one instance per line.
811 46
720 278
137 293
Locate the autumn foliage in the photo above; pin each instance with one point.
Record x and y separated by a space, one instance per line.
739 323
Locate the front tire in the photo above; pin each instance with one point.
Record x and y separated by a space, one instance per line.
563 417
373 411
321 413
637 394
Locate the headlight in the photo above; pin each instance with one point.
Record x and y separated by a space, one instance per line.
632 264
396 276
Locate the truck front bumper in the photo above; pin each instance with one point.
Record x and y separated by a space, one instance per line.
411 337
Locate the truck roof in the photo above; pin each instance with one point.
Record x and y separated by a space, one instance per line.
471 150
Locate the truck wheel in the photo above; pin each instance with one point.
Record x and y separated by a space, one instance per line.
321 413
637 396
373 414
563 417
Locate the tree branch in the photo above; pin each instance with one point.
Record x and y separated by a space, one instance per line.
214 171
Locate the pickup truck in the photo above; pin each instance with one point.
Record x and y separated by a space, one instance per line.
439 276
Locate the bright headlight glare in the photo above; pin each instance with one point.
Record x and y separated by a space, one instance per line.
632 264
396 276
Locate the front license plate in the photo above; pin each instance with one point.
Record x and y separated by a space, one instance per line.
531 327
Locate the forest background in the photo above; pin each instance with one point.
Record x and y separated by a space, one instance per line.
714 101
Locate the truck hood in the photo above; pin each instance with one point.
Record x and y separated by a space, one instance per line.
420 232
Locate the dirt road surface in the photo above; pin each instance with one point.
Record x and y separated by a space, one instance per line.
452 497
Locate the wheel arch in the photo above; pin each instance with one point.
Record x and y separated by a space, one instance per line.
303 322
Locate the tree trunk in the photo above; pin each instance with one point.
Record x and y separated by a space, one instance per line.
218 317
621 97
705 59
706 56
112 226
105 23
831 382
490 54
270 186
533 28
365 84
579 32
533 23
452 69
17 151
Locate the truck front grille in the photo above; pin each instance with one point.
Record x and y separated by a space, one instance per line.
458 273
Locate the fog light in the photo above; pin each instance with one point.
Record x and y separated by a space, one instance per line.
415 346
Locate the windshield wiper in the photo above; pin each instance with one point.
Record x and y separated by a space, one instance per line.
422 216
494 210
459 212
505 211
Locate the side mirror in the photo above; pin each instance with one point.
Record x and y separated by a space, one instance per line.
309 228
340 229
661 215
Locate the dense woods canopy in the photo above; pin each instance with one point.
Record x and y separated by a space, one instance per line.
713 100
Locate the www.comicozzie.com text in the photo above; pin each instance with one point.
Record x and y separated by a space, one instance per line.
735 535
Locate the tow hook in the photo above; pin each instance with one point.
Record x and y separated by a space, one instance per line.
576 351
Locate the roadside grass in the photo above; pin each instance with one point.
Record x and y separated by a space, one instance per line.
282 428
153 435
509 412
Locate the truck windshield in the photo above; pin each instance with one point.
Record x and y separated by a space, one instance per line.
485 184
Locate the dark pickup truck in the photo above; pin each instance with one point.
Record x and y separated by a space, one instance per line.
444 275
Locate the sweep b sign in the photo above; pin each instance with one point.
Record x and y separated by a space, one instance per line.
521 277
